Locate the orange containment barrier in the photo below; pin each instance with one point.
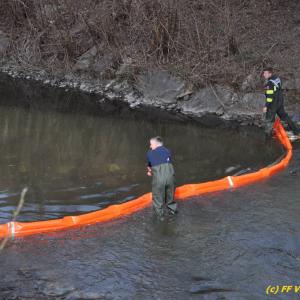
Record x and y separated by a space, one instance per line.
16 229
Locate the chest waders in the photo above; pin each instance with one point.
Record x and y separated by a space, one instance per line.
163 187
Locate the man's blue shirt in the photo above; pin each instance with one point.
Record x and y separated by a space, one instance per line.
161 155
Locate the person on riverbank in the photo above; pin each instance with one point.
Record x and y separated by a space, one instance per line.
275 102
161 169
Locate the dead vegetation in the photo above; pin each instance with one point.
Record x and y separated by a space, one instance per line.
205 41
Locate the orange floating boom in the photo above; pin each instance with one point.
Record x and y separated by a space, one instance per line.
17 229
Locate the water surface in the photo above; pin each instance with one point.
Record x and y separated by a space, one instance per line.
76 163
229 245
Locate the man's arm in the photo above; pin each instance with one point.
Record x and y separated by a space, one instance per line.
149 171
169 159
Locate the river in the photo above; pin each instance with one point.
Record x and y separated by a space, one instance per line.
227 245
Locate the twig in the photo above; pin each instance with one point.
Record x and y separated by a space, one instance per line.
264 56
22 3
15 214
217 97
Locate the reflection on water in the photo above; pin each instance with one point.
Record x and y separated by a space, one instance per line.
79 163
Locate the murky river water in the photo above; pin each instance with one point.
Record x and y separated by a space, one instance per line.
223 246
75 163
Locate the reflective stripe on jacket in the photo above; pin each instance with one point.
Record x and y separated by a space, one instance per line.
272 91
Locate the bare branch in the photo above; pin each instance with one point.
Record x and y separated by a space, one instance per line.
15 215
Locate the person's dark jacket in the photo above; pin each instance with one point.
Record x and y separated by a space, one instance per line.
160 162
273 93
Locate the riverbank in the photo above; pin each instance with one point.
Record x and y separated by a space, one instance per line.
212 106
200 60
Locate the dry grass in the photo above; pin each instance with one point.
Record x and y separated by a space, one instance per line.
205 41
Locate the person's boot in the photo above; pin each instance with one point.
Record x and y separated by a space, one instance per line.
292 126
172 212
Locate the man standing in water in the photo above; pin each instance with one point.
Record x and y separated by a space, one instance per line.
274 102
161 169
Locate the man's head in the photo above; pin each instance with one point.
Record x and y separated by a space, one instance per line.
155 142
267 72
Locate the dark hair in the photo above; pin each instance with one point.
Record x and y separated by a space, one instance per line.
158 139
268 69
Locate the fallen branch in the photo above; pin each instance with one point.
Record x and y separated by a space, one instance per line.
217 97
15 214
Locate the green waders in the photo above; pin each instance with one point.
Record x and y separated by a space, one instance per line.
163 187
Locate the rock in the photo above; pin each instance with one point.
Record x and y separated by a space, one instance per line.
291 84
82 65
185 94
134 105
296 118
248 110
159 87
86 60
250 103
208 100
103 65
111 96
125 67
100 67
56 289
90 53
87 295
251 82
69 77
130 98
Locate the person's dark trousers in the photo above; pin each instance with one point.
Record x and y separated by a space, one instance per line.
163 187
270 119
285 117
